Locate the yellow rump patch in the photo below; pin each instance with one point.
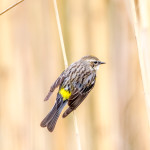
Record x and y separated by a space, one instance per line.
64 93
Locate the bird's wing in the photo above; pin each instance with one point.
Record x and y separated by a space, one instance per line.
77 97
80 94
59 80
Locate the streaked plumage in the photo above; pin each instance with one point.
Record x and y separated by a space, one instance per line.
74 83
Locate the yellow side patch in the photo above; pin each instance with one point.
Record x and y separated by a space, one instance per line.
64 93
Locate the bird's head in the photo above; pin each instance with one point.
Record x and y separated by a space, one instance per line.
93 61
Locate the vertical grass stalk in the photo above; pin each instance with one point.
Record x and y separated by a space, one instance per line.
66 65
141 29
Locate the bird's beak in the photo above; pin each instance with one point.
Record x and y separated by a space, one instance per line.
100 62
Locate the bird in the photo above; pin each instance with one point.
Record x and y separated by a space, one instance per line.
74 83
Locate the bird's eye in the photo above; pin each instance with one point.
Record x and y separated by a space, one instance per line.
95 62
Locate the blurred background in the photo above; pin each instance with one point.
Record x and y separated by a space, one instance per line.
113 116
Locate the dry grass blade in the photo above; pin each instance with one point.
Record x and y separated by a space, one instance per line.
10 7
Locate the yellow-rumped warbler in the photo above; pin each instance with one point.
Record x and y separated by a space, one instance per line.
74 83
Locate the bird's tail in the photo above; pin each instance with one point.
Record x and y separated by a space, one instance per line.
52 117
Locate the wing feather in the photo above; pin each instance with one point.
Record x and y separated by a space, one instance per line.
59 80
79 95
